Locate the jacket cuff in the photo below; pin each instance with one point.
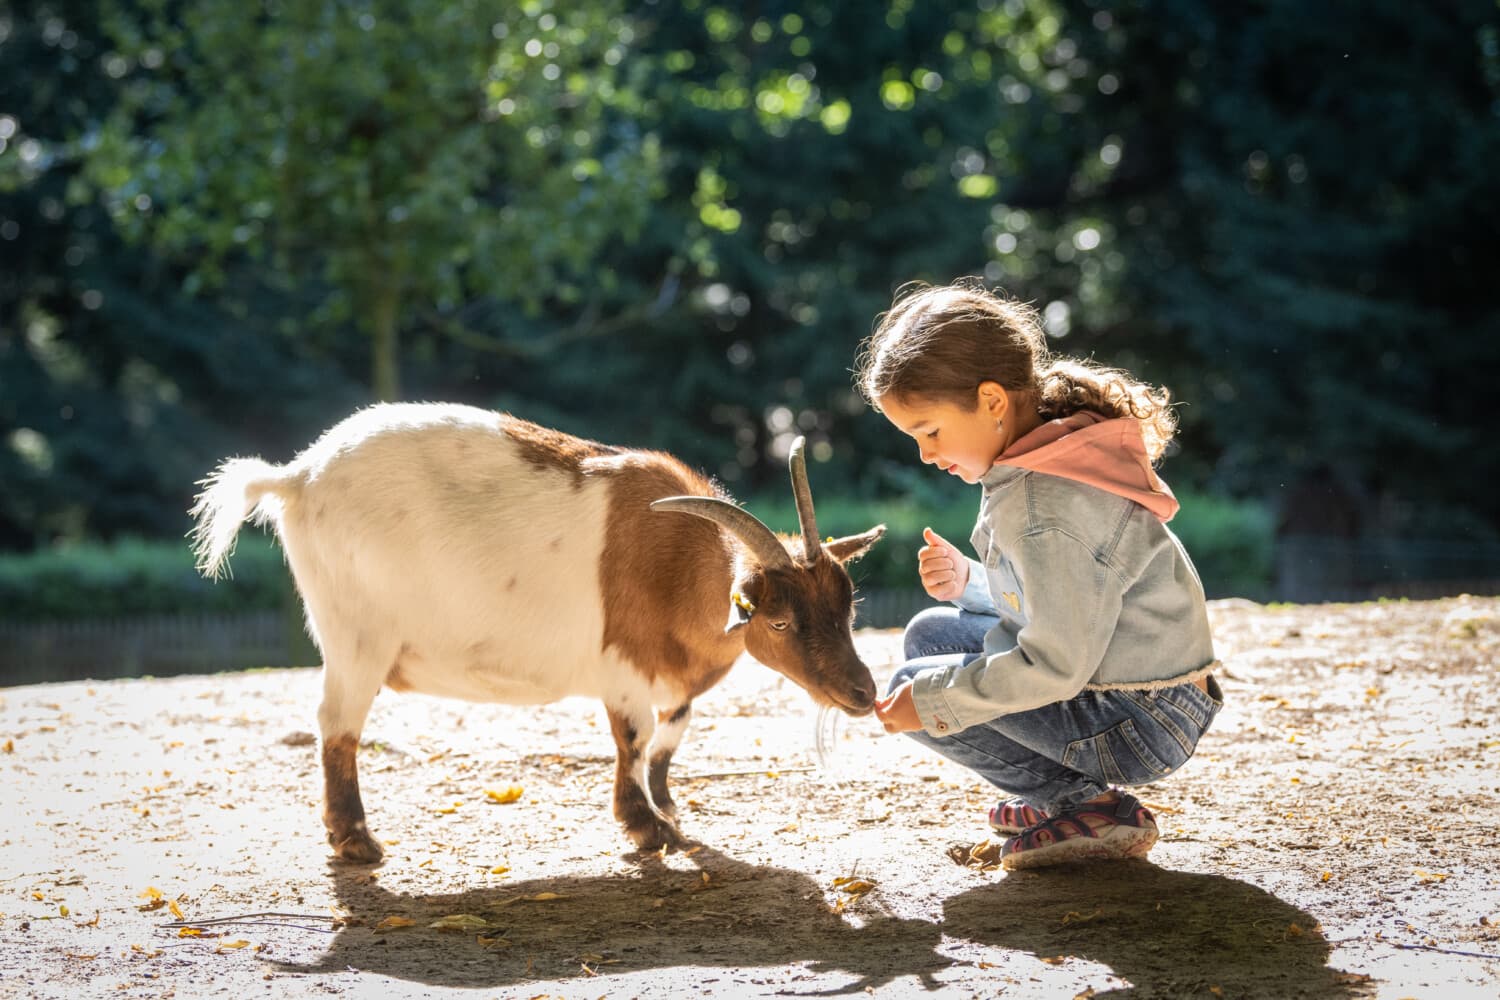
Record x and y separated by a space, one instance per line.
976 596
927 695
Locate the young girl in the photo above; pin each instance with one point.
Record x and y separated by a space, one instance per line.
1078 657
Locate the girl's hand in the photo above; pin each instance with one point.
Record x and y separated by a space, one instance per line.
897 711
943 569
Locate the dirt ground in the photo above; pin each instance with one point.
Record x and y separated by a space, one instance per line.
1337 835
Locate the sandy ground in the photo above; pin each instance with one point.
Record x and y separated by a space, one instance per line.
1336 836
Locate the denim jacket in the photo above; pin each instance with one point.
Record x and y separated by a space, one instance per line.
1092 591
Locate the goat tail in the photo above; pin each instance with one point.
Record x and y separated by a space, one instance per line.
230 494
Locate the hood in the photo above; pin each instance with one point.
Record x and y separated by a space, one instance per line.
1106 453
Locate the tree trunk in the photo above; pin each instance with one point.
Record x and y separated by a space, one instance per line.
385 347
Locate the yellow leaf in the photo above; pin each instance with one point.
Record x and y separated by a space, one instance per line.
500 869
152 892
62 910
392 922
506 795
234 944
460 922
37 896
10 746
1327 876
176 910
853 886
189 932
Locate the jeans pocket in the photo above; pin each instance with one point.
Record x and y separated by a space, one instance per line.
1117 756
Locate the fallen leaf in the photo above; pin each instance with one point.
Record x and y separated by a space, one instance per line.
542 897
234 944
176 910
506 795
500 869
459 922
10 746
390 923
1074 917
183 932
853 886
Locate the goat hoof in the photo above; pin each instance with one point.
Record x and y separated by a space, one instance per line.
356 845
658 836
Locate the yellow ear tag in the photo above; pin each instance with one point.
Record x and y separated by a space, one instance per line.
742 602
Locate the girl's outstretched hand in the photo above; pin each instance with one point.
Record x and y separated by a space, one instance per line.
897 711
943 569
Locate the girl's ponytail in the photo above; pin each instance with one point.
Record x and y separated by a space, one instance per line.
1066 385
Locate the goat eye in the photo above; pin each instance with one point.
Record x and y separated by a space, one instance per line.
779 626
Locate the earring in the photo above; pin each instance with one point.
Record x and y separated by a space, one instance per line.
1000 426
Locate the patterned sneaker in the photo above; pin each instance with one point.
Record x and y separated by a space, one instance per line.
1112 830
1014 815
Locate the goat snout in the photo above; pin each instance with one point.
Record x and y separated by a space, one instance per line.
861 698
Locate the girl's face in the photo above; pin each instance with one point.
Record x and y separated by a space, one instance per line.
963 443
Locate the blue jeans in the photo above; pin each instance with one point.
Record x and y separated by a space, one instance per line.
1063 754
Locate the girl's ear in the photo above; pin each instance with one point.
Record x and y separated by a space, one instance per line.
994 401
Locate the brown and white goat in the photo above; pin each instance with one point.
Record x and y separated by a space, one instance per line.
462 552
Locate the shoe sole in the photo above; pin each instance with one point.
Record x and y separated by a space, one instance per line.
1119 843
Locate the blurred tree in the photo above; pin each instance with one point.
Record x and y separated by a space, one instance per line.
396 155
116 390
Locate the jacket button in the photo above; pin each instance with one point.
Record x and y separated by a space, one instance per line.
942 727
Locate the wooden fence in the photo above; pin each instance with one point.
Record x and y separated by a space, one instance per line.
60 651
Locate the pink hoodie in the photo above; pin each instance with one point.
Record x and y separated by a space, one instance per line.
1109 454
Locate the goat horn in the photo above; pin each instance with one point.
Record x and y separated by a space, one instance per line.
812 545
749 529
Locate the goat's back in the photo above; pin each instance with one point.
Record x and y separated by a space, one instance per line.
454 550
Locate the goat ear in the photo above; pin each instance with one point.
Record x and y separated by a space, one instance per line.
739 615
745 595
851 547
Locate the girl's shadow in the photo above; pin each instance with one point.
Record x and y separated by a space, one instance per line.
1166 933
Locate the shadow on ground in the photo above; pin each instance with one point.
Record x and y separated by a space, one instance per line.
742 917
1167 933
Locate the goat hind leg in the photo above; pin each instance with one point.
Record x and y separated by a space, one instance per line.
346 703
648 826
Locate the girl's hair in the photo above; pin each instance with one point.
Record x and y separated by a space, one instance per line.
939 343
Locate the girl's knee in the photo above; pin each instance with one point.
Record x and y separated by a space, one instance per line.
930 628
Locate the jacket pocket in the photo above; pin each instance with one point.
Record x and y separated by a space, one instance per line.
1117 756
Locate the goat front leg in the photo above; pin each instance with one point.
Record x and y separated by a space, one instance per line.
648 826
670 726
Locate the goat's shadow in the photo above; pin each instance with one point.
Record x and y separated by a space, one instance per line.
1166 933
741 917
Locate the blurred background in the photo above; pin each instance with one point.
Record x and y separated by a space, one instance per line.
225 224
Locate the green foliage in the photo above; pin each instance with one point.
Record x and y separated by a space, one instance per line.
133 577
677 234
404 156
